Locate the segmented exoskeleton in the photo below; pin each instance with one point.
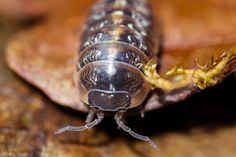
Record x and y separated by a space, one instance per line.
117 42
115 63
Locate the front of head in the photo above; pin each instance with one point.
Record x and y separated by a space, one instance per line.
109 100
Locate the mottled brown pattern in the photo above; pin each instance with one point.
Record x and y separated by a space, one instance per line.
201 126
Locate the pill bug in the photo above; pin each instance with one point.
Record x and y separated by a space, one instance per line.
116 68
115 44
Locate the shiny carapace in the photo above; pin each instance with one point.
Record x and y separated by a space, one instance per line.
116 43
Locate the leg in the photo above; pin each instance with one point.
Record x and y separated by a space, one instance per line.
90 116
100 116
179 77
120 123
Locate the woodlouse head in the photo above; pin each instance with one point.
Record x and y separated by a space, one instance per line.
109 100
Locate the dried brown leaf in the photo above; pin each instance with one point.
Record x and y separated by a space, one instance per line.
45 54
202 126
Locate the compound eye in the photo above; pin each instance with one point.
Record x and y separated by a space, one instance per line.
109 100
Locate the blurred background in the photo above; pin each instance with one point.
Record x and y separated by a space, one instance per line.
38 41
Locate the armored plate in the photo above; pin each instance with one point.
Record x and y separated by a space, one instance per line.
45 53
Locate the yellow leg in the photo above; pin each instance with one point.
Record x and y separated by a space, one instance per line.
178 77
